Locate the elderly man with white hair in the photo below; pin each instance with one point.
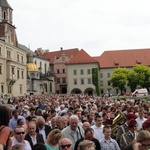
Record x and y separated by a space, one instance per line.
73 131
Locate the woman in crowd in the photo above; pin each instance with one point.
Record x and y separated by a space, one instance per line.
53 139
5 141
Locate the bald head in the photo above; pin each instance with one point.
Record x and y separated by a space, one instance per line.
40 122
65 144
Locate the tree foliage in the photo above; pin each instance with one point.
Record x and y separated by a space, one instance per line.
139 76
119 78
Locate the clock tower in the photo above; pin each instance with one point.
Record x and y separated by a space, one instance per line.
7 29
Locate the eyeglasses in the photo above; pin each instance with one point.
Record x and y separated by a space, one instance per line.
18 133
64 146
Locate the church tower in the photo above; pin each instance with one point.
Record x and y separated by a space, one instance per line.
7 28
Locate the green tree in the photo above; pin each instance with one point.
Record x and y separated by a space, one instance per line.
143 75
132 78
119 78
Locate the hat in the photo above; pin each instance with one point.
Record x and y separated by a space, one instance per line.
146 124
132 123
131 116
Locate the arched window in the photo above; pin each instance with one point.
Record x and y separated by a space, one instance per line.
4 15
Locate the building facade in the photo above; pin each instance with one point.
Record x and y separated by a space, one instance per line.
12 58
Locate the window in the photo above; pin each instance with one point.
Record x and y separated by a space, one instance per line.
63 70
22 59
58 80
0 51
50 86
75 81
108 75
75 72
21 89
4 15
35 62
0 69
13 70
8 54
9 89
89 71
109 83
101 75
22 74
89 80
17 57
101 83
82 81
2 88
63 80
57 70
81 71
18 74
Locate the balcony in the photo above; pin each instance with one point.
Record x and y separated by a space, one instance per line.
11 80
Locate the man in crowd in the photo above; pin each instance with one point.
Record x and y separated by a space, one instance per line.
32 137
65 144
19 135
73 131
98 127
128 139
88 135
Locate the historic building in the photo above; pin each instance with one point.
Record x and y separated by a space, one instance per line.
57 62
79 74
119 58
12 58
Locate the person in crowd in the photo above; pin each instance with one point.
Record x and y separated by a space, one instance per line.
89 135
39 146
13 121
47 116
19 135
32 111
129 138
86 145
73 131
17 147
5 140
60 124
140 118
107 143
122 129
98 127
53 123
142 141
78 112
32 137
86 125
42 127
53 138
65 144
66 120
146 125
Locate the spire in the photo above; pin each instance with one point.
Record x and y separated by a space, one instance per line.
4 3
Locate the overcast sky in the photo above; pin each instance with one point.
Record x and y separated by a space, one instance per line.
92 25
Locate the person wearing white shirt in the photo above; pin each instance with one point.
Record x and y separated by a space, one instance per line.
98 128
19 135
140 119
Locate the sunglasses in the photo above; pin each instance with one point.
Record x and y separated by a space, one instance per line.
18 133
64 146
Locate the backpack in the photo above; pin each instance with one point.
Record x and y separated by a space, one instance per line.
7 142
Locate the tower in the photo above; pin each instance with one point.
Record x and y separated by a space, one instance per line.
7 28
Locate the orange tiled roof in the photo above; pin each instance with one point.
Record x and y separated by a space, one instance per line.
81 57
124 58
57 54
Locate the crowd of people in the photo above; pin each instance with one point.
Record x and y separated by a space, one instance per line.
74 122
